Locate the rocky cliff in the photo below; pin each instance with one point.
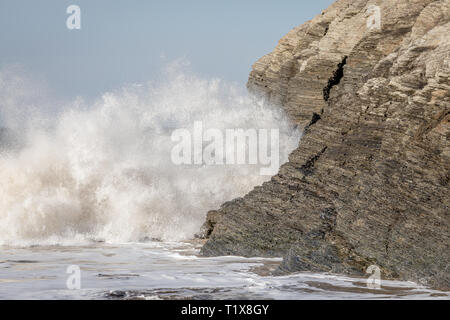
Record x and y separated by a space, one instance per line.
369 182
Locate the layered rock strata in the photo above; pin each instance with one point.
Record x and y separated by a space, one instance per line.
369 182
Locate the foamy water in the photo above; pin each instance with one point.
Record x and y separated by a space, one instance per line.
174 271
103 171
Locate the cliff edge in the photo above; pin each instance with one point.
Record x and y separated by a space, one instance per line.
369 183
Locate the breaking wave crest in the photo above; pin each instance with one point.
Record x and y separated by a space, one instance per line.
102 171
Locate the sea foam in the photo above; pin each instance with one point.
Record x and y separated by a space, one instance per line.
102 170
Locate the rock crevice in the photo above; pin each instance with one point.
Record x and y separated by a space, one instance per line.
335 79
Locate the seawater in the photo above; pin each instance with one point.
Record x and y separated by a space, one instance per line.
174 270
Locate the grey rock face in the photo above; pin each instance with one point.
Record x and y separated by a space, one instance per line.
369 182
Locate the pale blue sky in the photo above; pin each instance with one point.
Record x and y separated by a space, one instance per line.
122 41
